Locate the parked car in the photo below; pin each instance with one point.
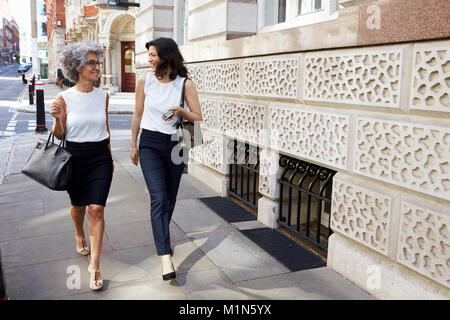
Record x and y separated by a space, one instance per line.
24 67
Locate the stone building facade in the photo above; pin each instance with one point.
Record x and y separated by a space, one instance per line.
363 89
56 28
114 30
359 88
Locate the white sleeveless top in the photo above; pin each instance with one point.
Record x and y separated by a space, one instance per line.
86 115
159 98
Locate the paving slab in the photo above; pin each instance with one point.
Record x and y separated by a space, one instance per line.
143 263
21 210
145 290
239 258
45 248
314 284
191 216
192 188
210 285
46 280
142 234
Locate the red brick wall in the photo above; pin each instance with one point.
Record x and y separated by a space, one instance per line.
89 11
55 11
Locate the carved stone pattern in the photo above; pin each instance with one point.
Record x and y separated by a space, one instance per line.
268 173
242 121
431 80
317 136
424 242
367 79
271 78
361 214
209 112
196 74
222 78
411 155
210 153
225 115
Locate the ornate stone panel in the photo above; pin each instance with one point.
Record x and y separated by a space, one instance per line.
424 241
222 77
430 87
412 155
196 74
315 135
362 77
209 113
273 77
242 120
210 153
361 214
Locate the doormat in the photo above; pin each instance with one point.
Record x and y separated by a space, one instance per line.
227 209
285 250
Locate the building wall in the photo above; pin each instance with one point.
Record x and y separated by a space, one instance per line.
372 104
56 27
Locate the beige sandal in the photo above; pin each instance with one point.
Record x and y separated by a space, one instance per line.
84 251
95 284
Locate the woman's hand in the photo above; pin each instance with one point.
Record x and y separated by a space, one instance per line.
56 109
134 155
177 110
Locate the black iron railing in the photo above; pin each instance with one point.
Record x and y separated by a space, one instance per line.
305 200
244 172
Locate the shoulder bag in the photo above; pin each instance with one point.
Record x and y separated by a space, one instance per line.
50 164
183 126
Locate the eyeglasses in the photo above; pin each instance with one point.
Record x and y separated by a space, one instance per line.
93 63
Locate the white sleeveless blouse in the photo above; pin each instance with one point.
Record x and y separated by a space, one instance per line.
86 115
159 98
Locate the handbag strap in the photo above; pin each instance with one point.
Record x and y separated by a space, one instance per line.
62 143
183 89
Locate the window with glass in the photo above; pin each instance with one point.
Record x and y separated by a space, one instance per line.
282 14
180 21
274 12
307 6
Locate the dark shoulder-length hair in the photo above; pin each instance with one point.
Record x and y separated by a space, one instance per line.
169 55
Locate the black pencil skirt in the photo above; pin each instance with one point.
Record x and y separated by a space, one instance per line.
92 171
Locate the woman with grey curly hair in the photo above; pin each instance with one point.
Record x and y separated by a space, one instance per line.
81 117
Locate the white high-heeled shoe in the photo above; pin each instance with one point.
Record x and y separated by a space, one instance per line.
95 284
83 251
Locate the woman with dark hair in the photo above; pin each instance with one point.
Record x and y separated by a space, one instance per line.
158 95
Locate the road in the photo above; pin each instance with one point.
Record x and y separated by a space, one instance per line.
14 123
10 84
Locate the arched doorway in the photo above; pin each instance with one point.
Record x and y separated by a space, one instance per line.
121 39
128 67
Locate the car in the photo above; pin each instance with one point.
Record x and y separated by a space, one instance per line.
24 67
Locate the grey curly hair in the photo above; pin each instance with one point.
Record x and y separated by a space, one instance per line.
73 57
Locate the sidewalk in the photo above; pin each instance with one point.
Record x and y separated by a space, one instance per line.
119 103
214 259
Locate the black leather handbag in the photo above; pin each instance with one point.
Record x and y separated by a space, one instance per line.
50 164
184 126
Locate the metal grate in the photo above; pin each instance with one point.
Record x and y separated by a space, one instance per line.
244 173
305 200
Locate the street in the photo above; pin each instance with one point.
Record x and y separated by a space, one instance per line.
11 84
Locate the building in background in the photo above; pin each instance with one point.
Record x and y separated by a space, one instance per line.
114 30
56 29
42 38
10 35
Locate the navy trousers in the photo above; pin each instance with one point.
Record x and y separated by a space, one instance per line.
162 177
